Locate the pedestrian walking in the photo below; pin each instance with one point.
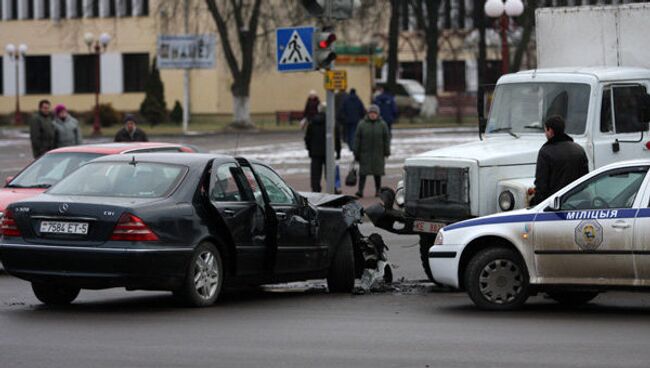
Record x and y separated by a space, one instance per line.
315 142
41 130
130 132
66 128
560 161
339 97
352 112
387 107
371 148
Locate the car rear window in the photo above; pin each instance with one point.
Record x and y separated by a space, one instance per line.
121 179
49 169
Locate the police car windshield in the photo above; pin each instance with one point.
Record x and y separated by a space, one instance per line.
523 107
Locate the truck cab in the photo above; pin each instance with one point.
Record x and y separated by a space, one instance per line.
603 108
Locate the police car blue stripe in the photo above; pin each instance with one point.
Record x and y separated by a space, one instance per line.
555 216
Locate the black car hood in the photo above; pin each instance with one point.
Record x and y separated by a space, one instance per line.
326 199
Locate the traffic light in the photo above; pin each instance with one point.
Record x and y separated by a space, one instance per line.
324 54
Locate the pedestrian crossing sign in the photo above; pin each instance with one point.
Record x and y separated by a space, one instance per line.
294 49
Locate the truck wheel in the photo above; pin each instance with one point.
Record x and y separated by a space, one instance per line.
426 243
497 279
340 278
573 298
52 294
204 277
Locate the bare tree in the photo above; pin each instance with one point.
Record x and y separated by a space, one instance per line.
528 23
426 13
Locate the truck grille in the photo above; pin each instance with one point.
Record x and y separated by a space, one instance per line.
433 188
437 192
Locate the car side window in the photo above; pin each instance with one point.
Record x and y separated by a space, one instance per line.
224 187
613 189
252 182
278 191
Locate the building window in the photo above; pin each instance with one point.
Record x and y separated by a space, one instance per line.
411 70
129 8
454 75
2 91
145 7
38 75
492 71
85 80
135 71
112 11
30 10
94 8
63 9
80 8
14 9
46 9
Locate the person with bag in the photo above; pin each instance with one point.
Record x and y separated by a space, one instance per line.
315 142
371 148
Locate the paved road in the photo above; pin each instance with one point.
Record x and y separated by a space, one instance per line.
300 325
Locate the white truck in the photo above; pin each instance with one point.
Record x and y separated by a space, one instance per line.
594 71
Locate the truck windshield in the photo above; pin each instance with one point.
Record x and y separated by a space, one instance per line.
523 107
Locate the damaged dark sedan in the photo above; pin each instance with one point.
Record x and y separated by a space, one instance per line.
190 224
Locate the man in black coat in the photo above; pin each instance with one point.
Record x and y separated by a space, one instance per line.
130 132
316 145
559 162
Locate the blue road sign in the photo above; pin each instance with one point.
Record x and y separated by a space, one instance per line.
294 49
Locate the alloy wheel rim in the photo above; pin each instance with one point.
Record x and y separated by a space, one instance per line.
206 275
501 281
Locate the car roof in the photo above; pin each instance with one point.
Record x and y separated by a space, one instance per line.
114 148
189 159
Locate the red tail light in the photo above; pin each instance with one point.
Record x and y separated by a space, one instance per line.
132 228
8 225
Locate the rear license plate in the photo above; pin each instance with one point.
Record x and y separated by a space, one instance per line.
60 227
427 227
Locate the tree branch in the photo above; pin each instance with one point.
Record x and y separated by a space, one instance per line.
222 27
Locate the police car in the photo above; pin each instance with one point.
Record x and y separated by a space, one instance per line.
591 236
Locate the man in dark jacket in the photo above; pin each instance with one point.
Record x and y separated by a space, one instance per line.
311 106
316 145
352 112
130 132
560 161
41 130
387 107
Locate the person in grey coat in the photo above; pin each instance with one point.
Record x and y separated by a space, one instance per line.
41 130
66 128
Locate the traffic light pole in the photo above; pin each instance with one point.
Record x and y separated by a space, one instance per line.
330 160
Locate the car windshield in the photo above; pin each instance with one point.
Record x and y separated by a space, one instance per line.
523 107
49 169
121 179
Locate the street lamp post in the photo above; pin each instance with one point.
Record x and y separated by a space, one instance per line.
16 54
499 9
97 47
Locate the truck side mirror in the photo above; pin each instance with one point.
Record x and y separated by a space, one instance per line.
643 103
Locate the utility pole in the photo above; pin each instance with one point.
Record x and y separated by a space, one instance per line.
186 72
330 158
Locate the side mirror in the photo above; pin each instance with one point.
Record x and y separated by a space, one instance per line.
9 179
555 205
643 103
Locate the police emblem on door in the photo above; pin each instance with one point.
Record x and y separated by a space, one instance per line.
589 235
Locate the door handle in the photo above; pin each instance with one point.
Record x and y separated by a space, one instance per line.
281 215
620 225
229 212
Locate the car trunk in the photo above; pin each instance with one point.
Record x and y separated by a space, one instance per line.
70 220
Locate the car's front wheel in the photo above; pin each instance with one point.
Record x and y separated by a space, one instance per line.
497 279
573 298
204 277
53 294
340 278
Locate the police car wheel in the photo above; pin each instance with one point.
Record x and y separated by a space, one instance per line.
573 298
497 279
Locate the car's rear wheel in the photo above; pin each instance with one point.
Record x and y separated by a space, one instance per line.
497 279
426 242
204 277
53 294
573 298
340 278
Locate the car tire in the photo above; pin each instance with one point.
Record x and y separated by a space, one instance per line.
204 277
497 279
340 278
425 244
53 294
573 298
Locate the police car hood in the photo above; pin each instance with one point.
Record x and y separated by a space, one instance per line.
495 150
524 214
